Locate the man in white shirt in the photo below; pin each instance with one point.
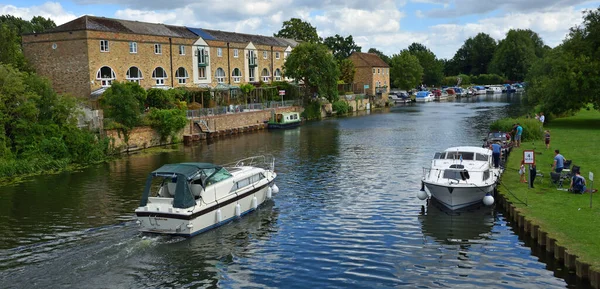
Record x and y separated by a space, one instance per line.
542 118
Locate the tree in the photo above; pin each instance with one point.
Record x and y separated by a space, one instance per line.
406 70
121 102
383 57
297 29
10 49
341 47
315 66
515 55
475 55
433 69
347 71
40 24
167 122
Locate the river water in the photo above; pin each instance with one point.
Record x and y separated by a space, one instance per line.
346 216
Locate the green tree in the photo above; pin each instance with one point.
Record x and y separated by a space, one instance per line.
475 55
315 66
515 55
406 70
381 55
300 30
10 48
121 103
433 69
40 24
347 71
341 47
159 98
167 122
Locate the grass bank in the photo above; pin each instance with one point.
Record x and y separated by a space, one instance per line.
565 216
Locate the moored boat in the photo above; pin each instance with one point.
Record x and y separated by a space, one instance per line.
186 199
424 96
284 120
460 177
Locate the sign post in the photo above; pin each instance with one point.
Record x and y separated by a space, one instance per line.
365 89
282 94
529 159
591 177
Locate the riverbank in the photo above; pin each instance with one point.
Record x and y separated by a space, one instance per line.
566 218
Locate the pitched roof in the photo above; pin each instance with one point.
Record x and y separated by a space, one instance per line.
369 59
124 26
245 38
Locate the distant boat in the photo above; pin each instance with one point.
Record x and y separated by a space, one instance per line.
424 96
284 120
494 89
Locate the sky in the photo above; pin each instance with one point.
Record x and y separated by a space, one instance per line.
387 25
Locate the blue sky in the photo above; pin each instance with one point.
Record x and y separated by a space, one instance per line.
388 25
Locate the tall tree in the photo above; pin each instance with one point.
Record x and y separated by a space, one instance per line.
475 54
123 103
315 66
10 48
515 55
406 70
347 71
341 47
40 24
433 69
383 57
300 30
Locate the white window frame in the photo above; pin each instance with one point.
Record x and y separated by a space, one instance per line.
104 46
182 79
219 52
251 75
277 55
236 78
265 78
134 79
265 55
181 49
201 71
236 53
157 48
133 47
160 81
220 77
202 52
106 81
277 74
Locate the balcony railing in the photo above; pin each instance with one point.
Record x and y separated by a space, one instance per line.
252 62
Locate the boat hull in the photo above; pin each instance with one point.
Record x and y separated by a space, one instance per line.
458 196
283 125
203 218
424 99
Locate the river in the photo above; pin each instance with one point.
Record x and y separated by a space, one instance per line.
346 215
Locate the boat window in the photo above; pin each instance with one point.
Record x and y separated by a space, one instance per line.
452 174
481 157
466 156
438 156
486 175
221 174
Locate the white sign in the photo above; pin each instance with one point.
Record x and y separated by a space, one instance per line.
282 92
591 176
529 157
366 86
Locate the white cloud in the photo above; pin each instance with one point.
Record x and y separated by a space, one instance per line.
52 10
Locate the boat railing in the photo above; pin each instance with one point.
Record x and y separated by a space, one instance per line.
261 161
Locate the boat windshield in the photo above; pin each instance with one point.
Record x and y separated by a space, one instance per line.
465 156
214 175
452 174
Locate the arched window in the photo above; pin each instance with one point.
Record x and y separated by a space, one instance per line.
277 74
181 75
134 74
159 74
237 75
106 75
220 75
265 75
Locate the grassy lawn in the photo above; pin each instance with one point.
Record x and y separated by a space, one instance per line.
565 216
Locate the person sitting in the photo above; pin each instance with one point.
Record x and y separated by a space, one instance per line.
578 184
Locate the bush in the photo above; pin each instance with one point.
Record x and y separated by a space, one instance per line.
341 107
532 128
312 110
159 98
167 122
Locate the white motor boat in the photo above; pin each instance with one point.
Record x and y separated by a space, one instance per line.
424 96
494 89
460 177
186 199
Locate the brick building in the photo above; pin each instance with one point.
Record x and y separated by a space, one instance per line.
371 70
83 57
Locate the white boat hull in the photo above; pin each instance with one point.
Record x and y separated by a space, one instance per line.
201 218
458 195
424 99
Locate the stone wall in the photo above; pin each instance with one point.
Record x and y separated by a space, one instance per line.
139 138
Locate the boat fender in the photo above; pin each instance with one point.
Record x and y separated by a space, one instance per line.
269 193
238 210
254 203
219 216
488 200
275 189
422 195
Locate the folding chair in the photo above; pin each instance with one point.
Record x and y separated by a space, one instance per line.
557 180
567 167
